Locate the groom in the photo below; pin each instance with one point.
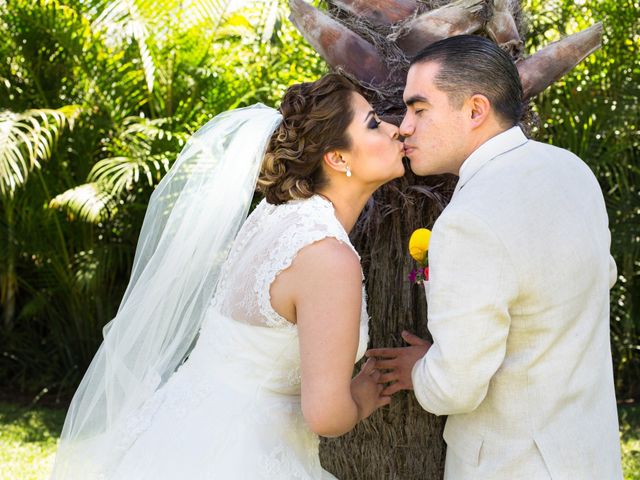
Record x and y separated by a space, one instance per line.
520 276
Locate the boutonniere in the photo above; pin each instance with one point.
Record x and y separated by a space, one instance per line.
418 248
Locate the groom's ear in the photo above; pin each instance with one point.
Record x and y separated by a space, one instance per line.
479 109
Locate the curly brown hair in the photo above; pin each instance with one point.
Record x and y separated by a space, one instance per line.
315 120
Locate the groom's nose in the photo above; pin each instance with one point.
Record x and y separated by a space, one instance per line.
406 127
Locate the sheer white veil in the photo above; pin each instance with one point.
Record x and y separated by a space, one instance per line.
192 219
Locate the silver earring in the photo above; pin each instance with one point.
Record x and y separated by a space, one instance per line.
348 171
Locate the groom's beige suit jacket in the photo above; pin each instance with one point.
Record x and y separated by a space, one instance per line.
518 307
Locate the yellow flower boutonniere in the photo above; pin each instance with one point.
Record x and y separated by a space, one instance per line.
418 249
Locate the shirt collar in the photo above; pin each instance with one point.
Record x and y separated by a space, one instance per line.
495 146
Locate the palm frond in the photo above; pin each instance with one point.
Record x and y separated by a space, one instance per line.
138 129
151 23
90 202
141 152
130 19
272 12
27 139
121 174
142 137
256 22
207 13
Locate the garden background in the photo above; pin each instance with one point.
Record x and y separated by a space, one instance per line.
97 97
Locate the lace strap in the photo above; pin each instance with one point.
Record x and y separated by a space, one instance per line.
314 222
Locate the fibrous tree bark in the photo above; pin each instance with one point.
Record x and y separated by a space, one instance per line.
372 41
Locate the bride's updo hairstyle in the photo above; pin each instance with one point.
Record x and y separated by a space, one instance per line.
315 120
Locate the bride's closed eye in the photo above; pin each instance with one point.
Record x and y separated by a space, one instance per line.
374 123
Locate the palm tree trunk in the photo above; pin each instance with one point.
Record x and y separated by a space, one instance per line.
402 441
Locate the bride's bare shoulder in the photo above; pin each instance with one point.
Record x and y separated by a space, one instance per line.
329 254
317 271
322 264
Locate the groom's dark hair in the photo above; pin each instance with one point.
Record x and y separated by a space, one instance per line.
470 64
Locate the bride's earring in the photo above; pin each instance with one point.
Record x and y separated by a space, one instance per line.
348 172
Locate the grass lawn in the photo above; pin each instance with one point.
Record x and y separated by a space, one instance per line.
630 440
28 441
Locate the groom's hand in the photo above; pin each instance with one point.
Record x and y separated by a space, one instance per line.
397 363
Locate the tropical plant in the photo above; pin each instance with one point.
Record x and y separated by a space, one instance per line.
97 98
27 140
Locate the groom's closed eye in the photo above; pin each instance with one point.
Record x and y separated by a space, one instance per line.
411 101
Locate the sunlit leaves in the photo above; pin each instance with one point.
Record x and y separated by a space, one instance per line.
122 173
47 39
153 25
26 140
125 19
141 161
88 202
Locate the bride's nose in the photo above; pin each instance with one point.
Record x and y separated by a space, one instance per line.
395 132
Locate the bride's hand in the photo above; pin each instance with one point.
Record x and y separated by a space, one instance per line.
366 391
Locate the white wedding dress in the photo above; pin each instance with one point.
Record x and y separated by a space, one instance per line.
232 410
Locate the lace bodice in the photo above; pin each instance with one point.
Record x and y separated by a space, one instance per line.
265 246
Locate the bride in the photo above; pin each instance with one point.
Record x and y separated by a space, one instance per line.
234 345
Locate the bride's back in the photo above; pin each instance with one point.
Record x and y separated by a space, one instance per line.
265 246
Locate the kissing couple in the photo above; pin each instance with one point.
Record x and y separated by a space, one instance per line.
234 345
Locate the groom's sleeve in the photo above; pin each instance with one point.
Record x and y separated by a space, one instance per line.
472 284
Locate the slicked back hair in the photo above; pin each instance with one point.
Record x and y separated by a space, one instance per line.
469 65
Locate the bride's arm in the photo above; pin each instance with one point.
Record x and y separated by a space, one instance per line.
324 282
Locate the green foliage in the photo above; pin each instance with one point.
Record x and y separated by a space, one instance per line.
97 98
594 112
27 139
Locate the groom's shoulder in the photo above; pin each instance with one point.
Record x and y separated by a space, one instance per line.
548 148
542 151
521 169
558 166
